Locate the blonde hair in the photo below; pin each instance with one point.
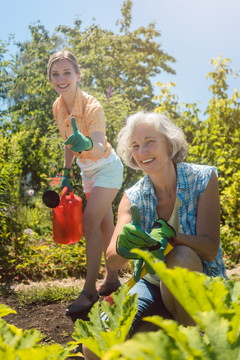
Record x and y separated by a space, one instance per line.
61 55
173 134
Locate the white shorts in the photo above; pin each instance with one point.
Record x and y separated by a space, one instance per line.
108 176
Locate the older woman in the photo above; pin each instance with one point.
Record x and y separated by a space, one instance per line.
184 195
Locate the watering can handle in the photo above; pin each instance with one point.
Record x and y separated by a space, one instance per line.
64 193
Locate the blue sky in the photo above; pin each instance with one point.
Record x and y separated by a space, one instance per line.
193 31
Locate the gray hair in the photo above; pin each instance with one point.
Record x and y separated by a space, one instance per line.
62 55
173 134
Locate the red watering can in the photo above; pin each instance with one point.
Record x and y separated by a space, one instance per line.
66 216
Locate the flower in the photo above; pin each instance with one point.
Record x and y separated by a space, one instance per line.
109 93
30 192
28 232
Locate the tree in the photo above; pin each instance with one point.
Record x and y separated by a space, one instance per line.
125 61
4 73
30 95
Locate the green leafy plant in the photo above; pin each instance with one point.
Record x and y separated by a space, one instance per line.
23 345
99 334
213 303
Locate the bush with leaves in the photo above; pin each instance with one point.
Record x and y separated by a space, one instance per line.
215 141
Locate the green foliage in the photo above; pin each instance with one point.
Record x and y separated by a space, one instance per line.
28 120
5 310
126 61
39 259
16 344
184 115
5 64
213 303
176 342
100 334
30 94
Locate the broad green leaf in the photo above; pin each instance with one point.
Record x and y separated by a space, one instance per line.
5 310
216 330
180 335
100 333
28 339
9 333
234 325
146 346
7 352
16 338
51 352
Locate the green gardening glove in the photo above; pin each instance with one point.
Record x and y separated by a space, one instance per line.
65 180
78 141
132 236
162 232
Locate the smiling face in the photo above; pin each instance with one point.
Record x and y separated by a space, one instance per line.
150 149
63 77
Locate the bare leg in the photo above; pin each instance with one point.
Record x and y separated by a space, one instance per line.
97 209
185 257
107 227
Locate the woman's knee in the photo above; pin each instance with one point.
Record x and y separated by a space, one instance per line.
90 223
185 257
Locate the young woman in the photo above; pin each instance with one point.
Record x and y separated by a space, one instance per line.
81 122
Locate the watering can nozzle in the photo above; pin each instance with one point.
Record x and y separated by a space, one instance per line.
51 199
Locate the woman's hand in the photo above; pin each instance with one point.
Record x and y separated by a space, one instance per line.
133 236
78 141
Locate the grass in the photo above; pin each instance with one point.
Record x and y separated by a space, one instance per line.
49 292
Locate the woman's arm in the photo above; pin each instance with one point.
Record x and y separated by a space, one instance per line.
98 140
114 260
206 241
68 158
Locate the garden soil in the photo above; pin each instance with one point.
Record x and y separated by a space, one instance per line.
50 319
